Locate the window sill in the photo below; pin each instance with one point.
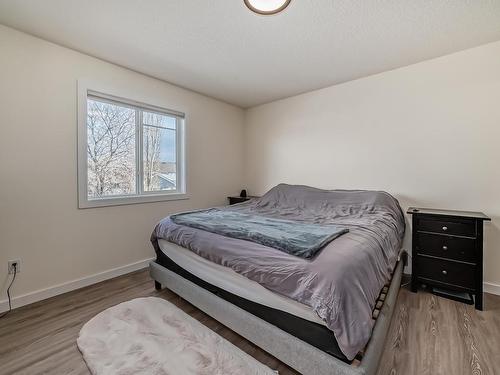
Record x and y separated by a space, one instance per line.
132 199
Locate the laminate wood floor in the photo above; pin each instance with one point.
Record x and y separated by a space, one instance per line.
428 335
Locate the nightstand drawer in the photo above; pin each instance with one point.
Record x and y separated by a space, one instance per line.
460 227
448 272
455 248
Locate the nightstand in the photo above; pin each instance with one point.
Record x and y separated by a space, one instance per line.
236 199
447 250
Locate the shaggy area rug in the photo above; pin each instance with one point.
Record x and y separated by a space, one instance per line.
151 336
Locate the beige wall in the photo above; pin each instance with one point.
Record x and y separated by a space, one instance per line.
39 219
428 133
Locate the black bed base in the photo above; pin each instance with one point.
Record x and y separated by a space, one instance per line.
315 334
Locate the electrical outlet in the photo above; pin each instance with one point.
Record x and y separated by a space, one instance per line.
11 263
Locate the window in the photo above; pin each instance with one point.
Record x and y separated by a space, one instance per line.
128 152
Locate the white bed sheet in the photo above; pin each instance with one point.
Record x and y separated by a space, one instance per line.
231 281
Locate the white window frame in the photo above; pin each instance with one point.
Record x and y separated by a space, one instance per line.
86 90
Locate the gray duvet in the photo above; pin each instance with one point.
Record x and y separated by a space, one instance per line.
342 283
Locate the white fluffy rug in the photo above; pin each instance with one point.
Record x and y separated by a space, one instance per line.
151 336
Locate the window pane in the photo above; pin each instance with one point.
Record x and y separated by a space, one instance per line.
110 149
159 152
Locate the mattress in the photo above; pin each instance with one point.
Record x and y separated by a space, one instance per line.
231 281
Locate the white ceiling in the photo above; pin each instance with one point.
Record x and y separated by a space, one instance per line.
221 49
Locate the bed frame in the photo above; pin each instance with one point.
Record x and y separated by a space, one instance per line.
296 353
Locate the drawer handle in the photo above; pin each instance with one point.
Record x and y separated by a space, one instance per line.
445 247
445 228
444 272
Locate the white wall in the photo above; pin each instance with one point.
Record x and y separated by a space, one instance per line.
39 219
427 133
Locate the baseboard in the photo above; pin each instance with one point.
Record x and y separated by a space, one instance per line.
492 288
42 294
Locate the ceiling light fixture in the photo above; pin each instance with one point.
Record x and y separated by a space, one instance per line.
266 7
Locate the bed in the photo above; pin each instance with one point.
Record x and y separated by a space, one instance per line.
313 312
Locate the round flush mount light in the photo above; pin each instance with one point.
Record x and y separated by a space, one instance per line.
266 7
